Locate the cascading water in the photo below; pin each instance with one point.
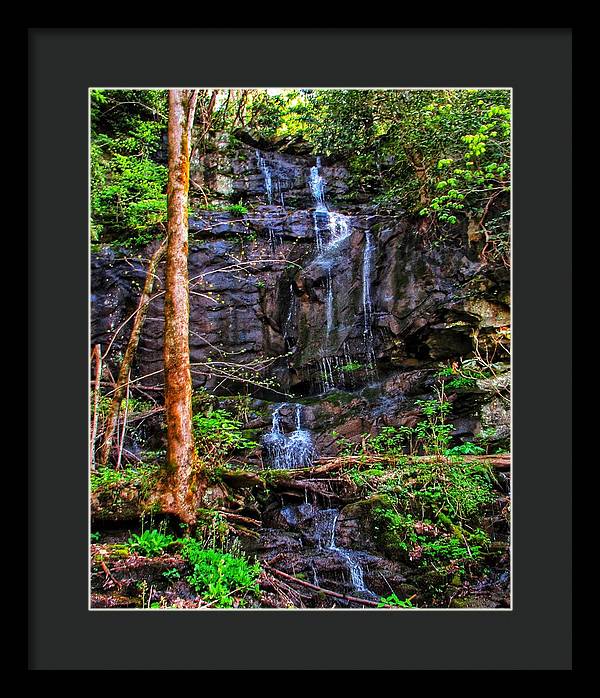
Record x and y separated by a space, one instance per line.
329 306
366 301
325 523
274 184
287 325
286 451
317 187
267 174
331 229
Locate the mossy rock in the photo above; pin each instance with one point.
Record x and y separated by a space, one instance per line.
118 551
340 398
363 508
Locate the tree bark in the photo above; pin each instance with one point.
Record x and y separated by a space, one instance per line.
126 364
97 356
416 160
186 483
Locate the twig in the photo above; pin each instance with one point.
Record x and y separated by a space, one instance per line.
109 575
124 425
237 517
335 594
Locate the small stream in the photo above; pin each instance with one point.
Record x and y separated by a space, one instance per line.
315 521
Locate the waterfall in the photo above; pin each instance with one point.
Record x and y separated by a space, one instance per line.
274 184
334 223
318 234
288 320
272 239
331 229
339 226
325 526
286 451
317 187
267 174
329 306
328 368
366 301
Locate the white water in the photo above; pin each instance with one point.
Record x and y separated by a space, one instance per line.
329 306
288 320
339 226
325 529
274 183
317 187
293 450
331 229
267 174
366 300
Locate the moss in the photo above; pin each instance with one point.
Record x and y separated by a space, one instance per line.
303 331
252 434
364 507
118 550
340 398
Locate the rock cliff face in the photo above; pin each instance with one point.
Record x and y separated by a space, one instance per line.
352 312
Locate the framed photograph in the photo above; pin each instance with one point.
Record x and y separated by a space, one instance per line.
286 391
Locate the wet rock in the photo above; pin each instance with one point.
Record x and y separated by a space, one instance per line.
260 288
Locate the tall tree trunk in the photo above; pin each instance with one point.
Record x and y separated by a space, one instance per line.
97 356
186 486
126 364
416 160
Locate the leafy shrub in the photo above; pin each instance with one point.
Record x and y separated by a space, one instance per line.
171 574
143 476
434 432
218 434
150 543
393 600
237 209
128 185
218 576
466 449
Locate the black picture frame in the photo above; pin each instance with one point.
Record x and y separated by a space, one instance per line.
63 64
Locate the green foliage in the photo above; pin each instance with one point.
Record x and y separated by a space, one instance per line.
133 405
221 578
393 600
481 168
266 113
237 209
461 383
390 440
213 530
95 537
351 367
128 184
434 433
172 574
218 434
143 476
430 513
430 436
466 449
151 543
442 153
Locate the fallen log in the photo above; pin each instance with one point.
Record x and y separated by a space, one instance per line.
325 465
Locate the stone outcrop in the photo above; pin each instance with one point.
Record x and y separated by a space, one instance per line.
261 291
